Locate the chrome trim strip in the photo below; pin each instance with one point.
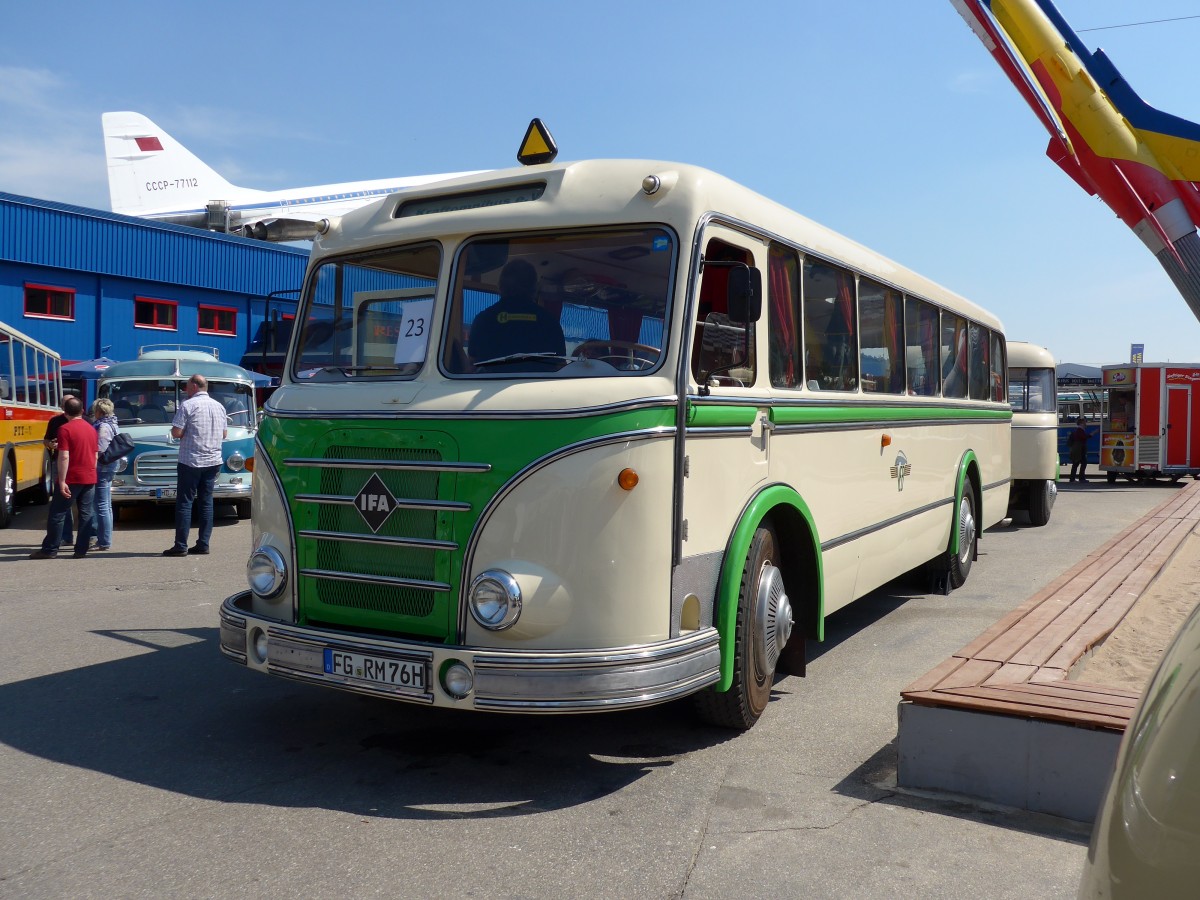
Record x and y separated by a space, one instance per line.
476 415
379 540
342 500
1017 427
387 465
657 433
384 580
886 523
720 431
996 484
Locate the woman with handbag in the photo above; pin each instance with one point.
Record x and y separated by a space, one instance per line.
106 430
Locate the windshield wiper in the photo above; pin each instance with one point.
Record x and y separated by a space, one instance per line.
350 370
522 357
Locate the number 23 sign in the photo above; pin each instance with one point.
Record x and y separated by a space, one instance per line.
414 331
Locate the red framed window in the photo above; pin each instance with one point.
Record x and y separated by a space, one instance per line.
217 320
151 313
47 302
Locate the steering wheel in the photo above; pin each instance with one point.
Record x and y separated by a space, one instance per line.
625 355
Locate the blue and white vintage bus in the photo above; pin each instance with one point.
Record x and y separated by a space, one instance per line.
146 392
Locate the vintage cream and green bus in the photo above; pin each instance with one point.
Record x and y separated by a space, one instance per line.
1032 394
598 435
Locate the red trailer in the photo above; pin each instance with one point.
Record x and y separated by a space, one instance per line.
1153 423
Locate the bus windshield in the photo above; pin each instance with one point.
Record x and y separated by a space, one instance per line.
154 401
560 305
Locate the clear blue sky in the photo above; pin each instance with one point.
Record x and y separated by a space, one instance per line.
887 121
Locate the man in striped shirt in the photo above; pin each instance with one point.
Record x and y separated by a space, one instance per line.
200 425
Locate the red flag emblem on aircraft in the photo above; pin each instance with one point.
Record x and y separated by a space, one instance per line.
148 143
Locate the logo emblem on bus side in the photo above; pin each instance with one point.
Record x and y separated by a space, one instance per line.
374 502
901 469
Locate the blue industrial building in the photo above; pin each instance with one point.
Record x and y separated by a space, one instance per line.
90 283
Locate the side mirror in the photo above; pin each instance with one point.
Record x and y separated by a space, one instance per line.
745 294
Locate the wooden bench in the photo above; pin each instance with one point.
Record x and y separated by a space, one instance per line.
1021 665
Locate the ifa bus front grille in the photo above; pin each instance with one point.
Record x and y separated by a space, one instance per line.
156 469
375 536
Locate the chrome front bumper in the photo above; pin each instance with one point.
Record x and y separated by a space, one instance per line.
129 493
532 681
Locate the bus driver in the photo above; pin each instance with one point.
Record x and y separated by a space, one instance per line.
515 323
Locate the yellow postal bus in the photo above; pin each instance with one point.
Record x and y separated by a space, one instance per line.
598 435
30 396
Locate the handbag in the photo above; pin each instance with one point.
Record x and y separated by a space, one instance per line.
120 446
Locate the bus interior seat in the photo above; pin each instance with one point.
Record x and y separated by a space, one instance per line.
123 411
153 414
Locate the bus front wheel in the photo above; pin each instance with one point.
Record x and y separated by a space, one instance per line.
8 493
764 624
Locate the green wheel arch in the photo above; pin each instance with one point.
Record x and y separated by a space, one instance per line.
965 465
725 616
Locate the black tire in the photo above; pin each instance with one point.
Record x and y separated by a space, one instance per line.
243 509
45 488
116 513
760 635
1112 477
958 565
8 492
1041 500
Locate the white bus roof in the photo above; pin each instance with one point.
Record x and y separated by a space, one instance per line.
603 192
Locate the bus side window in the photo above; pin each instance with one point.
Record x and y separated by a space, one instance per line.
830 327
921 345
721 343
783 316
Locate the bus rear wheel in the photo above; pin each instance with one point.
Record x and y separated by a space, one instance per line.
1041 501
764 624
950 570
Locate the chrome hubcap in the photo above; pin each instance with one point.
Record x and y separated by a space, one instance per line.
966 531
774 619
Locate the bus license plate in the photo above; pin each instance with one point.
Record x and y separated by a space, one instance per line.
405 674
165 494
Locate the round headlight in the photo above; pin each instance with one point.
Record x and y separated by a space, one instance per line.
266 572
122 464
236 462
457 680
495 599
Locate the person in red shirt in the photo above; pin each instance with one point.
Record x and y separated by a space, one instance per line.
75 481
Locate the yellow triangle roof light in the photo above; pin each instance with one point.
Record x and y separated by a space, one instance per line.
537 146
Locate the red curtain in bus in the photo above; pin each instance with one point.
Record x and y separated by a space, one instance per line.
784 333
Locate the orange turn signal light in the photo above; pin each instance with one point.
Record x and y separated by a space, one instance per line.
628 479
885 441
249 463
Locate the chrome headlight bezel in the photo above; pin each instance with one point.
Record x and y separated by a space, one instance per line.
266 572
122 464
494 599
235 462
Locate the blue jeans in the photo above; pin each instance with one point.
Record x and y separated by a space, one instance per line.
104 515
191 484
68 527
60 511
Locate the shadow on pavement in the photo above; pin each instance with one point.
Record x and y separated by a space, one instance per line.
183 719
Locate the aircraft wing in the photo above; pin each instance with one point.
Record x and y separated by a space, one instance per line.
1143 163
